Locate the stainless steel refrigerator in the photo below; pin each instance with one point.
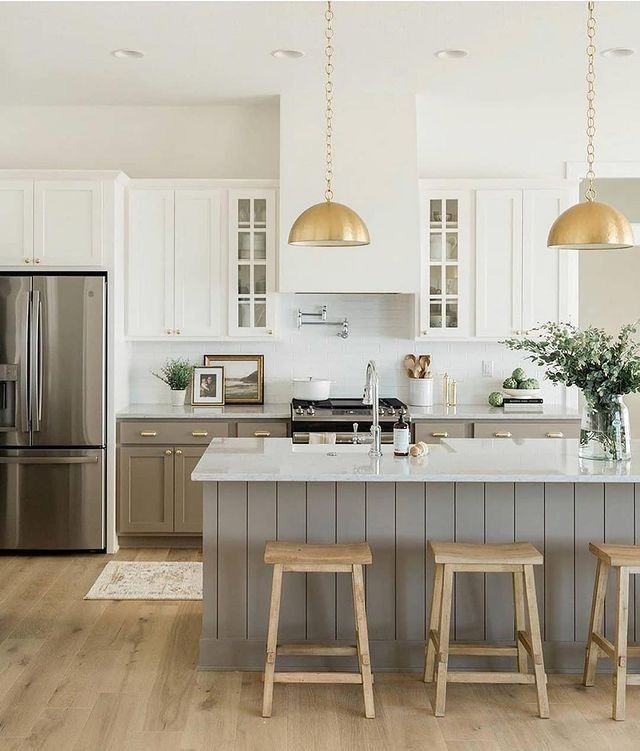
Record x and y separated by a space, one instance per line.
52 411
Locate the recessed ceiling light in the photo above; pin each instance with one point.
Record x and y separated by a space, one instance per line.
618 52
287 54
451 54
127 53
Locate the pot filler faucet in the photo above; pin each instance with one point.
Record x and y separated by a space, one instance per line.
371 396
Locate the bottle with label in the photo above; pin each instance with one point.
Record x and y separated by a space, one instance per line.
401 435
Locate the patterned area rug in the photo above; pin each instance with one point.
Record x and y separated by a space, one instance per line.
138 580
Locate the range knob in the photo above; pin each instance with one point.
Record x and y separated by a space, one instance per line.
299 410
381 411
310 410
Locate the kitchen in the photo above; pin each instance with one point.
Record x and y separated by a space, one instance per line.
174 188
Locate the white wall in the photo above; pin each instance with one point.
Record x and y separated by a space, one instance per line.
380 329
225 141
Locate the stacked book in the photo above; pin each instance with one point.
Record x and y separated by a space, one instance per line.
522 404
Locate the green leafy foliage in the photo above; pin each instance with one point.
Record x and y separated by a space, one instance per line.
176 373
604 366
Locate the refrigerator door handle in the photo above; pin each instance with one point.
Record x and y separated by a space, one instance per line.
24 370
48 460
36 361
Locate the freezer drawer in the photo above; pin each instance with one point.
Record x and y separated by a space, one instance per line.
52 499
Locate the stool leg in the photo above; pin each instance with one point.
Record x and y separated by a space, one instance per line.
362 635
595 623
536 641
443 639
272 640
622 617
436 605
520 619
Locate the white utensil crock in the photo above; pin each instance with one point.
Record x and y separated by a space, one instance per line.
312 389
421 392
177 397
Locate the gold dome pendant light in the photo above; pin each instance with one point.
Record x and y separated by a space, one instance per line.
328 223
591 225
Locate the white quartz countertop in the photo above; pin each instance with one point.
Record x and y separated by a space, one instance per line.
454 460
485 412
228 412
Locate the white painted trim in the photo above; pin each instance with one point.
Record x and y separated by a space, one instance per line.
577 170
188 183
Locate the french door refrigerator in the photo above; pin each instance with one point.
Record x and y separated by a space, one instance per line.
52 411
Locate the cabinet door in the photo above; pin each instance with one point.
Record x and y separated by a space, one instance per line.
150 263
252 244
199 288
498 262
445 293
16 222
550 276
188 494
68 223
146 490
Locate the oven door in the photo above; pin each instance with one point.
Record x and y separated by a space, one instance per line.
303 436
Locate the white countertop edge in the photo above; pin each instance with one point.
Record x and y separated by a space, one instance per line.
578 479
188 412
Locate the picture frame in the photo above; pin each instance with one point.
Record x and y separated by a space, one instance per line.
243 377
207 386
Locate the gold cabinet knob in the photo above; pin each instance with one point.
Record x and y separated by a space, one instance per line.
179 452
169 332
27 260
168 452
37 260
269 332
178 332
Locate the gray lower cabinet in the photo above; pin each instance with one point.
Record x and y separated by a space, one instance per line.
433 431
187 517
146 490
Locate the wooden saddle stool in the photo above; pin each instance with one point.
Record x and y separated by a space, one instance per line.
626 561
309 558
517 558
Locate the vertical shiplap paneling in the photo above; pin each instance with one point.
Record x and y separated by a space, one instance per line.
210 560
232 560
261 527
529 527
500 527
410 585
619 526
469 588
381 599
589 527
321 588
440 525
559 566
292 527
350 514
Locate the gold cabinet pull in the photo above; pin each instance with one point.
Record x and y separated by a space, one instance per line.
199 433
555 435
444 434
261 433
148 434
179 452
168 452
502 434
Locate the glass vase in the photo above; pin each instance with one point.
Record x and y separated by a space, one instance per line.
604 431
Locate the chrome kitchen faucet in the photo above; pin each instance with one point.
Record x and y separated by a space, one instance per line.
371 396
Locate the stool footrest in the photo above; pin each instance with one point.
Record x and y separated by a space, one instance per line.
325 677
489 677
326 650
488 649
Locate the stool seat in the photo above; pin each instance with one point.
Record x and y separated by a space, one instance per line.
511 553
616 555
294 553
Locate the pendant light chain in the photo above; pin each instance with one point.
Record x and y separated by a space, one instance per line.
591 109
328 88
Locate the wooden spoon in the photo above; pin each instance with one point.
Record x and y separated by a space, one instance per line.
409 363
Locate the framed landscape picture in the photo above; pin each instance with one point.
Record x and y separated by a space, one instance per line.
208 387
243 377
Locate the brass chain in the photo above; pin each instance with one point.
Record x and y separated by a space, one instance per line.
591 109
328 88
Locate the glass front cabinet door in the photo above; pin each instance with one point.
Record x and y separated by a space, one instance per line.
252 244
444 303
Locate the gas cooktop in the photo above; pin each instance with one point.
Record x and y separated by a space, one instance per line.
342 409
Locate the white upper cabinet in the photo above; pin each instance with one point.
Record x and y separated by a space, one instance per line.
252 243
16 221
68 223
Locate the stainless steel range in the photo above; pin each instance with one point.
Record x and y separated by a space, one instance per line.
349 419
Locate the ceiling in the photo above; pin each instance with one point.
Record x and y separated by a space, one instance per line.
199 53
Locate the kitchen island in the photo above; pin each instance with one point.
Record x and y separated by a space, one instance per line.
471 490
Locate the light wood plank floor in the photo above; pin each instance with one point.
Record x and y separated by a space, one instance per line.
120 676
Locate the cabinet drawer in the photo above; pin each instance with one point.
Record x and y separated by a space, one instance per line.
434 432
521 429
178 432
262 429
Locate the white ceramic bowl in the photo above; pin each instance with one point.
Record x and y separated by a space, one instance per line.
312 389
522 393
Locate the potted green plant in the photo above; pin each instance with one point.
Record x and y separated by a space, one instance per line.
604 366
177 374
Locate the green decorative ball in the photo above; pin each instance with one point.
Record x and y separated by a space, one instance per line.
519 374
510 383
495 399
529 383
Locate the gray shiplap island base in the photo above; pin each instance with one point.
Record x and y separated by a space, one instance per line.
464 490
